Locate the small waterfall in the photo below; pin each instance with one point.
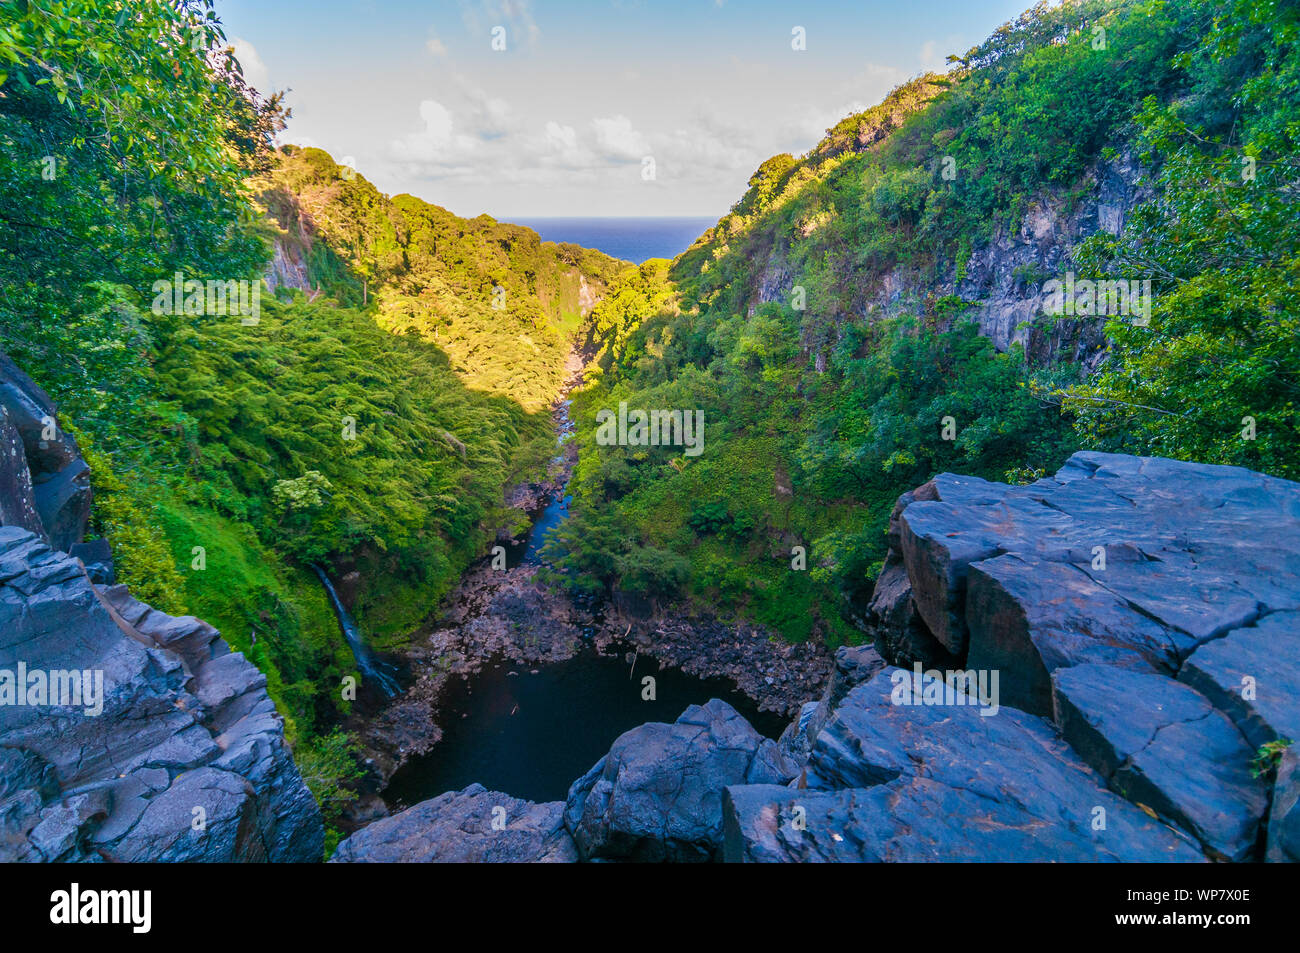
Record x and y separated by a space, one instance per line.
373 671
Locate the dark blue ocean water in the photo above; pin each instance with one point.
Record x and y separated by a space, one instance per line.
632 239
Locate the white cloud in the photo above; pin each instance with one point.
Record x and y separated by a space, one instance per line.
438 144
487 116
255 71
562 138
616 137
498 110
435 45
562 150
437 121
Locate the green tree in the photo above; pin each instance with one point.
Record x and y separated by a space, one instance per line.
1215 376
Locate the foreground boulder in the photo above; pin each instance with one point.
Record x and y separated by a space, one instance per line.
893 777
853 666
165 745
910 820
896 623
470 826
1162 744
17 501
1092 595
1126 561
657 795
1253 674
1284 821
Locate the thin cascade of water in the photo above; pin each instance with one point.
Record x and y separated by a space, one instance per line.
373 671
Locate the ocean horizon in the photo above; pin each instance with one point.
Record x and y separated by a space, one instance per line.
634 239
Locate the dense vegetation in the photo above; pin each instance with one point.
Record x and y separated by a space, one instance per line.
500 302
1216 376
822 405
368 417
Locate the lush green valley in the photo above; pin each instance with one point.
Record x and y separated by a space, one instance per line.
821 325
367 415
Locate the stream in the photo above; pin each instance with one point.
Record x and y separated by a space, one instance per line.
528 729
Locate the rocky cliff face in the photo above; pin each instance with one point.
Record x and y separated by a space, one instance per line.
1081 669
291 247
125 734
1002 279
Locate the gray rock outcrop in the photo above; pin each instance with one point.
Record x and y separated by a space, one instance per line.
1117 560
657 795
44 482
1284 821
853 666
1253 674
895 777
1160 743
1147 606
470 826
184 760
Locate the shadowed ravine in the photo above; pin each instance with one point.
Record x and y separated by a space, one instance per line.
529 729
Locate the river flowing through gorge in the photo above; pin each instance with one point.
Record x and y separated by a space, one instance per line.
521 688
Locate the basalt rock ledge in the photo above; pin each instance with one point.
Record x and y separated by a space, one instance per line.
170 751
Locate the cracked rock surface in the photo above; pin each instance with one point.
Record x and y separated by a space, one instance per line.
891 779
185 762
1161 743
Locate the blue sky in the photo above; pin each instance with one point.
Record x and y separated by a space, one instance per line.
564 120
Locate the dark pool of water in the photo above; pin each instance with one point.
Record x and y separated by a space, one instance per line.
531 736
